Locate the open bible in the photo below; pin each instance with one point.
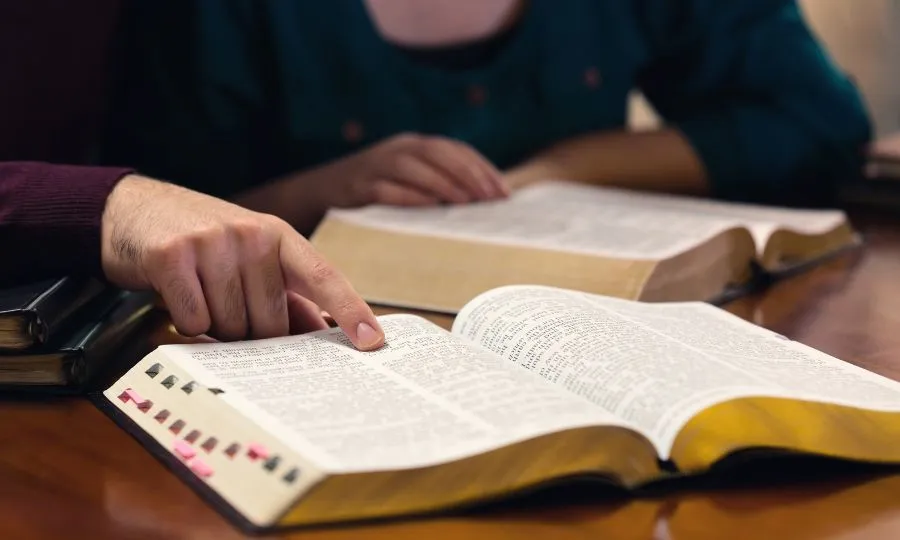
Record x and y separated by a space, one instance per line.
532 385
599 240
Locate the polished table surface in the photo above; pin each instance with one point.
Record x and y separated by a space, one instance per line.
67 471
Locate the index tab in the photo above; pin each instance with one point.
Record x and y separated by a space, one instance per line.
291 475
131 395
128 395
201 468
154 370
209 444
272 463
184 450
257 451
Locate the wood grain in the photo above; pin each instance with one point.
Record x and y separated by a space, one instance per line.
67 471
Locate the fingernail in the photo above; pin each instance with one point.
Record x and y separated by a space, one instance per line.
367 336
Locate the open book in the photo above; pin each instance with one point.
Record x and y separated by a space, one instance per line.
532 385
598 240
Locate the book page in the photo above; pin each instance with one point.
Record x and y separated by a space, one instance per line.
762 221
560 217
426 397
593 220
656 365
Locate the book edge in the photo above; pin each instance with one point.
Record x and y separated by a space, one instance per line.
240 427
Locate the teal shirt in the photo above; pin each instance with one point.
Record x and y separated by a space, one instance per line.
222 95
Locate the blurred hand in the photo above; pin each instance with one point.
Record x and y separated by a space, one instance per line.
410 170
532 172
223 270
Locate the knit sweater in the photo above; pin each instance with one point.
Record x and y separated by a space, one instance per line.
54 59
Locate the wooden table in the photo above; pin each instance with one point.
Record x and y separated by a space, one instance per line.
68 471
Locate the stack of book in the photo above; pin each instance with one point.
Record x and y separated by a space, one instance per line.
883 159
56 335
880 185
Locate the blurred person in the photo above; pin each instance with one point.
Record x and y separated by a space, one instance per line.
294 107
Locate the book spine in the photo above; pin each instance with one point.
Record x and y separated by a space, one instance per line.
36 330
61 305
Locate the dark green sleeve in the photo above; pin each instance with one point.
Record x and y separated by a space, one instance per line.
190 104
770 115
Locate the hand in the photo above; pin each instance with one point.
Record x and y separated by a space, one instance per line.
410 170
223 270
535 171
518 180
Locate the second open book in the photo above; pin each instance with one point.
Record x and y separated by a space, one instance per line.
600 240
533 384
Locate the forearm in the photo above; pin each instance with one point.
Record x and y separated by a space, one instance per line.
656 161
295 198
50 218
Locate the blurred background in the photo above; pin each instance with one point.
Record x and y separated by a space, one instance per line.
864 39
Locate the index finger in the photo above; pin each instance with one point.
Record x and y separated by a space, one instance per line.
466 166
447 158
307 273
489 173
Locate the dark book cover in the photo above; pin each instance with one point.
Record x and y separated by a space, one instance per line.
71 363
31 315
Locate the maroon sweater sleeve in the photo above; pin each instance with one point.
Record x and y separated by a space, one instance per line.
50 218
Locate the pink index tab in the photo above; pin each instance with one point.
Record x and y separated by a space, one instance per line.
257 451
131 395
201 468
184 450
